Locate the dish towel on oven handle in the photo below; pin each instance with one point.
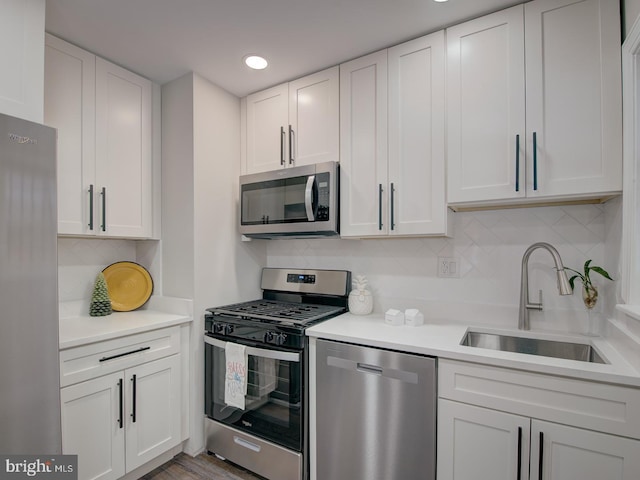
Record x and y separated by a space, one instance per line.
235 382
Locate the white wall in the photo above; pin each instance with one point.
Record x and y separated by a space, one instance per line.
490 245
202 255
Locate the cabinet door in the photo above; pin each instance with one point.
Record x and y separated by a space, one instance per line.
153 401
486 108
314 118
22 53
123 152
91 427
573 96
69 106
267 129
363 146
416 185
568 453
478 443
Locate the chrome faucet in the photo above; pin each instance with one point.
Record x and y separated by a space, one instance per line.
564 288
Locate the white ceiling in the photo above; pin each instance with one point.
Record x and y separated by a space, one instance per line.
164 39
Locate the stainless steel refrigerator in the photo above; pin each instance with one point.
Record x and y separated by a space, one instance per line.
29 365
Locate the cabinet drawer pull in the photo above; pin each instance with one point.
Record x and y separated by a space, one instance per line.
380 206
91 207
540 454
103 193
141 349
392 219
291 145
535 161
282 135
121 404
519 452
133 400
517 163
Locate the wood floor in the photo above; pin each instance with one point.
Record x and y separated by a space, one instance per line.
204 466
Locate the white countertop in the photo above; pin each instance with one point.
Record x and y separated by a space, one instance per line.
77 328
442 339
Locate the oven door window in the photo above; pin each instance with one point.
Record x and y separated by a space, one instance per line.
273 403
288 200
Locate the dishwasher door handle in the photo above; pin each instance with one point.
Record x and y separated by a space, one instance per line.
363 367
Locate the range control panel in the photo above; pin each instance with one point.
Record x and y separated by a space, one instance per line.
297 278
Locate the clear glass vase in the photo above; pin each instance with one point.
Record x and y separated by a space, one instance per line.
590 298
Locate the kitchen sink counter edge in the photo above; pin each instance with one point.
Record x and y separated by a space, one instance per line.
442 339
78 328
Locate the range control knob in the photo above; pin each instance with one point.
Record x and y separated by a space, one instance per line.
281 339
228 329
218 327
269 337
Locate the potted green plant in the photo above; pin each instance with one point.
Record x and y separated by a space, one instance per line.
589 291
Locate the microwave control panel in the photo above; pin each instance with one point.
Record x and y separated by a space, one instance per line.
322 213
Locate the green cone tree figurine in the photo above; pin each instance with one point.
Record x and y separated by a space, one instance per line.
100 301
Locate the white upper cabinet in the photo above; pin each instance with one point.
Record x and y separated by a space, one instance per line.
103 116
574 99
293 124
486 108
565 143
363 146
392 141
22 53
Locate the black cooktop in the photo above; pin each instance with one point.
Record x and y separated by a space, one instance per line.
278 311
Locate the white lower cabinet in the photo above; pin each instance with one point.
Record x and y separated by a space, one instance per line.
534 432
479 443
117 422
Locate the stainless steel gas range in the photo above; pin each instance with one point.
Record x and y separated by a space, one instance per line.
256 404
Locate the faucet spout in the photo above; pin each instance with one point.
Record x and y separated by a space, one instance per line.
564 287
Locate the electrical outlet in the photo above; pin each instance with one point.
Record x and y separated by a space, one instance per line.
449 267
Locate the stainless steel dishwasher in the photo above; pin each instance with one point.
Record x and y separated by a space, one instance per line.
375 414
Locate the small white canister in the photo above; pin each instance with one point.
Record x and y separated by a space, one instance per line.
413 317
394 317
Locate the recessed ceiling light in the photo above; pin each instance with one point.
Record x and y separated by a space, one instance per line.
439 1
256 62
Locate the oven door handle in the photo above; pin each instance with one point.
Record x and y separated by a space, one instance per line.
258 352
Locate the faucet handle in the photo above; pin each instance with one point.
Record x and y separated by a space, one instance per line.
536 306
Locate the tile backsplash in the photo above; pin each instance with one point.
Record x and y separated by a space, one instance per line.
402 273
488 247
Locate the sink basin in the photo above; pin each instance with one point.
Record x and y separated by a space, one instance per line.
533 346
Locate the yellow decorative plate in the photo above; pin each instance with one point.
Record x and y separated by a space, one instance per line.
129 285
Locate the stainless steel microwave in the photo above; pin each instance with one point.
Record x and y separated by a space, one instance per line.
296 202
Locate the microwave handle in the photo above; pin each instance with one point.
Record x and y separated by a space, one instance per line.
308 197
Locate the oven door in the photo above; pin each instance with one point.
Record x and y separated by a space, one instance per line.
274 400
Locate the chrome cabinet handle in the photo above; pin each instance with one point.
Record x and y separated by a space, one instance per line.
535 161
291 145
308 197
103 193
363 367
380 206
282 134
517 163
393 223
91 207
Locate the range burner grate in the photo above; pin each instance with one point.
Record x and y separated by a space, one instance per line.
280 311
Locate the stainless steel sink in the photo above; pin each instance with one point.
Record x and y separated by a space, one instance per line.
533 346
